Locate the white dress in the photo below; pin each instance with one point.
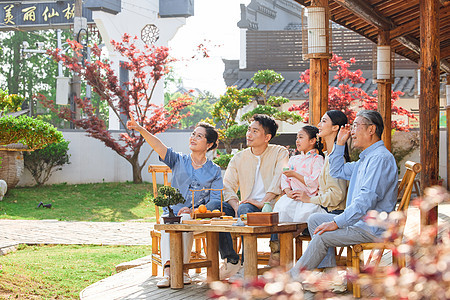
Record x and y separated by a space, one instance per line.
310 166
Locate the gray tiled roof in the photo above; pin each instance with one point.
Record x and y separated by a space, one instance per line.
292 89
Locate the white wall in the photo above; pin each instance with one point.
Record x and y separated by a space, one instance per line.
415 156
91 161
131 20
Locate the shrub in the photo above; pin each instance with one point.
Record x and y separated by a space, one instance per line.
223 160
42 163
9 102
167 196
33 133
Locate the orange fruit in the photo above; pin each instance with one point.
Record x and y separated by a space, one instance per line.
202 208
208 211
216 210
196 211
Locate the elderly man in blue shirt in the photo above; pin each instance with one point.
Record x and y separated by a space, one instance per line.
373 186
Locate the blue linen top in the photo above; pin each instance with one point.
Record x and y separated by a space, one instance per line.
185 177
373 184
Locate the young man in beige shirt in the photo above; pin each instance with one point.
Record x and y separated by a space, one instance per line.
256 172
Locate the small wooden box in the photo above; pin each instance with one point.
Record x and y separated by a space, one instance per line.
262 219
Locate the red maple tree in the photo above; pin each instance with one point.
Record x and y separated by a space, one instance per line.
346 97
146 67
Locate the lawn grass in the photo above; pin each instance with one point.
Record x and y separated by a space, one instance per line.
108 202
60 272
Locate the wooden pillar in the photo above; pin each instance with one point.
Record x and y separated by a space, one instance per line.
318 92
447 94
318 88
429 98
384 87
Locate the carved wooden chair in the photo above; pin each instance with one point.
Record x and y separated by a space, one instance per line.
355 252
199 238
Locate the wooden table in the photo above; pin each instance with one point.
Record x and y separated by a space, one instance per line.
250 233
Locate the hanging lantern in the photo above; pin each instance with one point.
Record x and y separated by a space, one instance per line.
317 38
316 33
418 82
447 92
384 62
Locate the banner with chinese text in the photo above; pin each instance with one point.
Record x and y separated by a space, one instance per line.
33 16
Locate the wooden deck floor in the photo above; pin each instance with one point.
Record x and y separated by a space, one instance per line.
137 283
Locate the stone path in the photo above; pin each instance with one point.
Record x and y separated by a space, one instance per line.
32 232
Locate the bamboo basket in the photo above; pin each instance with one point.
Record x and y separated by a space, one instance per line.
11 167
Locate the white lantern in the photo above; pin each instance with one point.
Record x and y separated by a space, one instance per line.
62 90
383 62
317 35
447 92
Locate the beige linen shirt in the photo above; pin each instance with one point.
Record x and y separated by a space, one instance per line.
332 192
240 173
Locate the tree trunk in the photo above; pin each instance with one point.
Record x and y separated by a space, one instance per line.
137 170
228 148
13 84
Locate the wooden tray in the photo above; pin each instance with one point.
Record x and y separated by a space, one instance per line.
223 221
196 221
207 215
262 219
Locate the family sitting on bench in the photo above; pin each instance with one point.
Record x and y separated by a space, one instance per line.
313 188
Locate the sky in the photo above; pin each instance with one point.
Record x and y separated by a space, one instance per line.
214 24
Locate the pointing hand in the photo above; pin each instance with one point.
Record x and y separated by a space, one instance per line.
132 124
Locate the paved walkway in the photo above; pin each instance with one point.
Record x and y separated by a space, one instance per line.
14 232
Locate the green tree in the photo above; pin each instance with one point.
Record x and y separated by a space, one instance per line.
269 105
42 163
28 74
225 111
224 114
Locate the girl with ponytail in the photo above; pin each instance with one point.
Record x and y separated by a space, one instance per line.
301 177
332 192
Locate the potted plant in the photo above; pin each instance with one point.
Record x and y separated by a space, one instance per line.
168 196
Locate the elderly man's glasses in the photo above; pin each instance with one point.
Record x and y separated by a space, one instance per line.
197 136
356 125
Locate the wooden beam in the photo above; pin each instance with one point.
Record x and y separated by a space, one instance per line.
410 43
414 45
429 100
404 29
365 11
414 24
445 52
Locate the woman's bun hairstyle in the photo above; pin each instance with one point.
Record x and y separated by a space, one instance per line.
211 134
